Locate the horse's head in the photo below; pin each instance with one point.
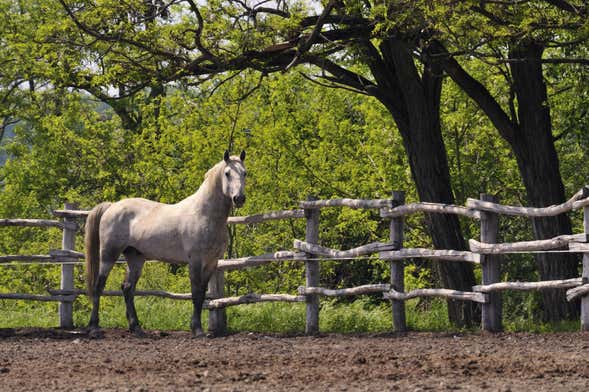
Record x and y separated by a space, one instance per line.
234 178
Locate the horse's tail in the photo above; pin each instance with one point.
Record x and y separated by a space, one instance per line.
92 243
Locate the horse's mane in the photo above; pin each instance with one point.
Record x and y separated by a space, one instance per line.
213 170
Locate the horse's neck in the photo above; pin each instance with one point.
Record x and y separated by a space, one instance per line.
208 201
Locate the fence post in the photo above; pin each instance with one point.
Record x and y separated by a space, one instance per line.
398 266
490 266
217 317
312 270
585 276
68 242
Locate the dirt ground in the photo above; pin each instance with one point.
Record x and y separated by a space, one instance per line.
53 360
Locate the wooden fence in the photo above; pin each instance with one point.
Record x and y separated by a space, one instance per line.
485 252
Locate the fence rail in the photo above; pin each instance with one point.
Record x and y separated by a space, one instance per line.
438 208
484 252
531 212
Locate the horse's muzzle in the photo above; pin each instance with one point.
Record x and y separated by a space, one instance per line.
238 201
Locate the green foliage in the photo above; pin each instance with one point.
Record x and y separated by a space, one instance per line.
416 277
468 23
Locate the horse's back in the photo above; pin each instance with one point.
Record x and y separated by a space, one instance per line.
128 210
119 222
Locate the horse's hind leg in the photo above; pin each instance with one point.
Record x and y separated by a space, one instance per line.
107 261
199 278
135 263
198 284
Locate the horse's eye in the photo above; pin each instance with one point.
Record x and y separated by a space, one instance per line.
227 175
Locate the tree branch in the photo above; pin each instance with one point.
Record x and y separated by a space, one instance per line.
477 92
306 45
334 83
342 75
566 6
564 60
255 10
198 31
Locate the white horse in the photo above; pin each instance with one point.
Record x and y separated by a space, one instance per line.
193 231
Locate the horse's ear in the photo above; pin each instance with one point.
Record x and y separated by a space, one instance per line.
242 155
226 156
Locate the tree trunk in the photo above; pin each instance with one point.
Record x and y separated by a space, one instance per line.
533 145
530 137
418 121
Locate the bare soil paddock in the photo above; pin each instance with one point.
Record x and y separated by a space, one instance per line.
44 360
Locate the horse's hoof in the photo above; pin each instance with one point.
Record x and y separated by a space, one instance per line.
95 333
138 333
214 334
198 334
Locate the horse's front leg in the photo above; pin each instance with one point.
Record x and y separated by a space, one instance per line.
199 279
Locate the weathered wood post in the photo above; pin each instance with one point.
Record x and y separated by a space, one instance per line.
398 266
312 269
490 266
585 276
68 242
217 317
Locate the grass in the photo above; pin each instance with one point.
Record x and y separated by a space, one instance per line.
21 314
355 317
528 325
